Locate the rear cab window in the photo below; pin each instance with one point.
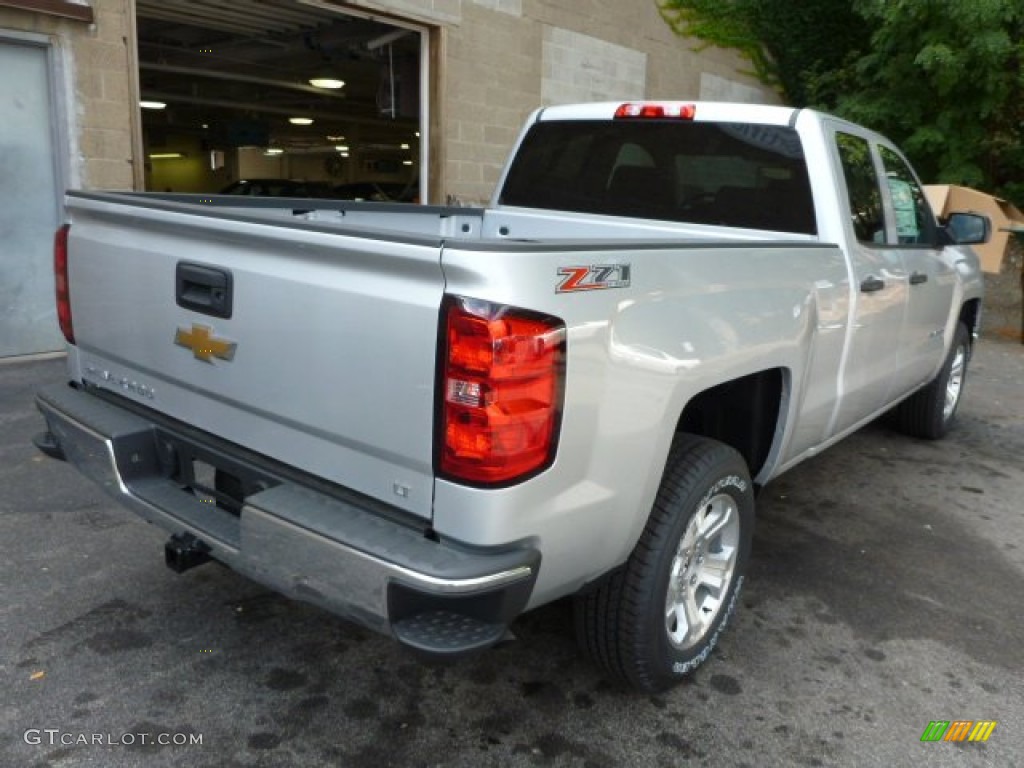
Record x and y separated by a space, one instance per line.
733 174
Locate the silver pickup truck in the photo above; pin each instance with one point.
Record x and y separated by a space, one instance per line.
432 419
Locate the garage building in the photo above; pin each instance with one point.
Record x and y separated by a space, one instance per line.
404 100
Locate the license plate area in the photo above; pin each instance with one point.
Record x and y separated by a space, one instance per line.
212 477
203 481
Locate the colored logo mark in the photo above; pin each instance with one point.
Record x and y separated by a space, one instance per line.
959 730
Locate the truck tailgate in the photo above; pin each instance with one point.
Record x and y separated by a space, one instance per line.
326 362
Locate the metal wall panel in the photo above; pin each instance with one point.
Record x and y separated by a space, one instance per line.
28 195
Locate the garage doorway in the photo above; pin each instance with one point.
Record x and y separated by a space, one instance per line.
275 97
30 185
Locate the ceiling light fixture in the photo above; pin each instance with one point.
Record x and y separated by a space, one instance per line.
165 155
330 83
152 104
341 147
274 151
300 120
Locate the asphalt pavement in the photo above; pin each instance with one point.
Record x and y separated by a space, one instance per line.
886 591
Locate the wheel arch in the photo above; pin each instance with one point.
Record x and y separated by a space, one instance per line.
970 315
743 413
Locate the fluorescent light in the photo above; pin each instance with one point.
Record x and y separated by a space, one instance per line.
326 82
407 162
152 104
274 151
300 120
335 138
165 155
404 146
341 147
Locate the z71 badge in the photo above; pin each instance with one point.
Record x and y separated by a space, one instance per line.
593 278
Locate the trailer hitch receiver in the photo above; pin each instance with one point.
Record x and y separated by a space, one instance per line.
184 551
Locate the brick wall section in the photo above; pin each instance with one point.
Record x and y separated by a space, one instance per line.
513 7
429 11
95 59
503 58
580 67
492 81
508 57
102 57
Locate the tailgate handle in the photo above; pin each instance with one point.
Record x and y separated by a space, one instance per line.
203 289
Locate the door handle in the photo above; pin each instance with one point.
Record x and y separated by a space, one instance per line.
203 289
918 277
872 284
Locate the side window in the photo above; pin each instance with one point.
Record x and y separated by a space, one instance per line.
914 220
862 188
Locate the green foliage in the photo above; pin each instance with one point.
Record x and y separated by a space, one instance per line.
942 78
945 79
792 46
726 24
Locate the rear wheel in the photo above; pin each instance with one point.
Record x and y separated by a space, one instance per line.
929 412
657 618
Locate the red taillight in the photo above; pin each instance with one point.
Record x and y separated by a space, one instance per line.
678 111
60 279
501 391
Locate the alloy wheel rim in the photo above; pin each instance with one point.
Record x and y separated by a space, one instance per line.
955 383
702 571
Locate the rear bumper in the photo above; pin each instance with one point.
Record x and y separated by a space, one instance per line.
334 551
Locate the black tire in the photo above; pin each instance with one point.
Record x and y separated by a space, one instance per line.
625 625
929 412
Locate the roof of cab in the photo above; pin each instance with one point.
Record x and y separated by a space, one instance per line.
705 110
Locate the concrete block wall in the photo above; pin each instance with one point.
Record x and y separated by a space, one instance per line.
102 67
580 67
491 81
96 95
504 58
499 60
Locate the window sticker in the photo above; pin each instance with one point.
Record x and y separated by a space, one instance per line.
905 208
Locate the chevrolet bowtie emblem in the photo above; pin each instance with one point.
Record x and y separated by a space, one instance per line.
204 345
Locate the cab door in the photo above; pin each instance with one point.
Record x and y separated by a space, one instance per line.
931 277
879 288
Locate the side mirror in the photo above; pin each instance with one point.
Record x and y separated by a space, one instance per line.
969 228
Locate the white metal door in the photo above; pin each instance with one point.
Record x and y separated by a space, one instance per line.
28 201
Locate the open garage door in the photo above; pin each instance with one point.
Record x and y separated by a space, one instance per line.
277 97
